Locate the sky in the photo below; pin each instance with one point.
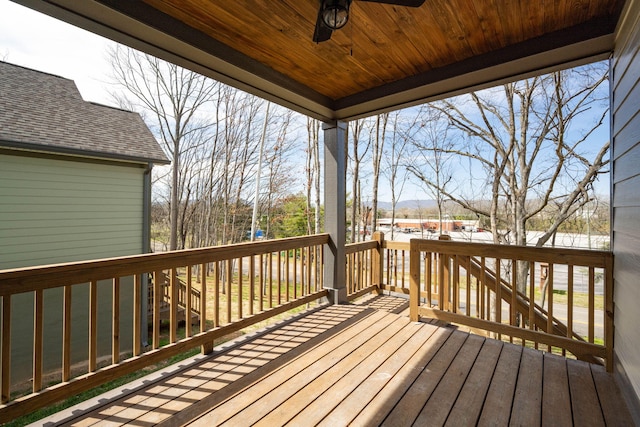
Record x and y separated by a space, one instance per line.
36 41
33 40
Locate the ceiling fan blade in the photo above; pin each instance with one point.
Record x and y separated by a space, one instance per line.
322 33
408 3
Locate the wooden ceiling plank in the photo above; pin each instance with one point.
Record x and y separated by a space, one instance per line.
382 43
489 23
455 41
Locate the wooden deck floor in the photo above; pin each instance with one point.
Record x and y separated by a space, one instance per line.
367 365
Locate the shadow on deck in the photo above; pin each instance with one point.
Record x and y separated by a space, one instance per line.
363 364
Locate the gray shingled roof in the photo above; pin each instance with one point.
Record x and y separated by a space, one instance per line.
46 112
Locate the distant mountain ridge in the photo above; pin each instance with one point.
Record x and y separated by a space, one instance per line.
409 204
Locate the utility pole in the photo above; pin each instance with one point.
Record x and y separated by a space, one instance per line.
254 217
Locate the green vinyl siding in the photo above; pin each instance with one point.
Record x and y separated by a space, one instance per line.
54 210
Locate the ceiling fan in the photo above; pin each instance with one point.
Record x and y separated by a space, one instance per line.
334 14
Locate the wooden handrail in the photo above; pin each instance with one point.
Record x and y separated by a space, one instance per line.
14 281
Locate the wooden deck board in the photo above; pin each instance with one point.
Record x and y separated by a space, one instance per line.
360 366
497 406
468 406
294 381
555 410
527 401
439 405
321 396
374 396
584 398
408 408
614 409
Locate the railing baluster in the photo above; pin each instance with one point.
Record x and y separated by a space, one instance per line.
270 274
207 348
321 267
357 273
414 284
387 269
428 272
173 305
240 300
187 302
498 293
115 321
591 310
550 302
514 294
252 282
532 298
5 393
93 325
66 334
468 294
441 284
456 284
279 277
395 267
216 298
370 267
38 324
137 315
295 275
287 276
483 275
229 277
347 276
570 301
303 282
403 269
488 295
157 296
261 283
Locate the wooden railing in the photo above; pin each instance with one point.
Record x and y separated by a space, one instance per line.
562 302
556 299
239 285
377 265
395 267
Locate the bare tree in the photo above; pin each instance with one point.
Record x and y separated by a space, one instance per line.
377 154
526 138
313 176
430 162
173 101
358 153
404 126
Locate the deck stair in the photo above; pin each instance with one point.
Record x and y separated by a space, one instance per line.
165 302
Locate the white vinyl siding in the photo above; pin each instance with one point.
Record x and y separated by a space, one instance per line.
54 210
625 72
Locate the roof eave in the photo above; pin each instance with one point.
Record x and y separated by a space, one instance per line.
75 153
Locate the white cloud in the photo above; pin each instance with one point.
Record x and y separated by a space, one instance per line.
33 40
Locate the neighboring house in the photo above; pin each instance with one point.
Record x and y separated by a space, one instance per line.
75 182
